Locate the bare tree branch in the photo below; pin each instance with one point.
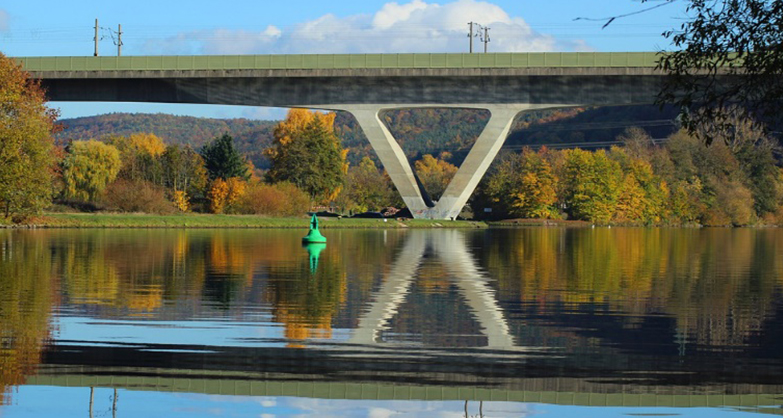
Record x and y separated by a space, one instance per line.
611 19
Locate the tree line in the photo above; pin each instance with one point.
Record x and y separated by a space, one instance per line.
735 181
309 167
139 173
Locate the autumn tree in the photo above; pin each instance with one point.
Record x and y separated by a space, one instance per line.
140 154
435 174
223 161
26 145
88 168
366 188
308 154
643 196
718 174
183 170
535 195
591 185
755 150
523 185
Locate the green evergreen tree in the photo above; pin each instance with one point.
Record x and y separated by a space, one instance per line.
222 160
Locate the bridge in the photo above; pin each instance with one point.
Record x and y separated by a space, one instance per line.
365 85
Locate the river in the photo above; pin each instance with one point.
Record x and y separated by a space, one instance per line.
379 323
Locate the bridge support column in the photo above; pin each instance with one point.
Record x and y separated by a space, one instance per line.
392 157
469 174
476 163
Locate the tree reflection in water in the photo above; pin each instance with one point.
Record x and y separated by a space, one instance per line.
614 291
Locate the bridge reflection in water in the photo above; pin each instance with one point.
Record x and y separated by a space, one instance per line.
370 364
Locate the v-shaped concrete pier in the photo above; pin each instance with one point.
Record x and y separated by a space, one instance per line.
470 172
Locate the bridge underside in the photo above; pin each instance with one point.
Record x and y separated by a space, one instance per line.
365 93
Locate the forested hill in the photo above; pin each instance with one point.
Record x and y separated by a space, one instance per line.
419 131
251 136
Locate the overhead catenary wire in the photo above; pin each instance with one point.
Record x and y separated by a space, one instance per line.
195 33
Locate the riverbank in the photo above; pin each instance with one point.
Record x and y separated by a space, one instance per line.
191 220
522 222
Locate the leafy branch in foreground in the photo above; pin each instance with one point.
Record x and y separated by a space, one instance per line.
727 59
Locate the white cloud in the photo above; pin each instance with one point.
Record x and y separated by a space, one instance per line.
272 31
415 26
4 18
268 402
392 13
380 413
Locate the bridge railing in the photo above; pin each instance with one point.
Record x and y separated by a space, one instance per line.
341 61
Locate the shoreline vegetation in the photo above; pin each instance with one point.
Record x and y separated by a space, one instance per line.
191 220
215 221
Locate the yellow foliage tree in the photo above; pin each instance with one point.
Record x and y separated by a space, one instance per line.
147 143
435 174
224 193
296 121
140 154
217 195
632 202
180 199
535 196
591 185
88 168
236 189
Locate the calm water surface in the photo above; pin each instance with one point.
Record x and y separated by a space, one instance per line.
496 323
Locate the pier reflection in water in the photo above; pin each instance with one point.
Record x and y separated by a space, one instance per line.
512 321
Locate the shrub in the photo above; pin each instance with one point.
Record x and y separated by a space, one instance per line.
281 199
236 188
216 195
223 194
137 196
180 200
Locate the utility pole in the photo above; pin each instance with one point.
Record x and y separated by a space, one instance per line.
485 38
471 34
119 41
96 37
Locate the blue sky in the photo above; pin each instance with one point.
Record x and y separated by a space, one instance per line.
49 28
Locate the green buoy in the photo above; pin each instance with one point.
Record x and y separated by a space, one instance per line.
314 236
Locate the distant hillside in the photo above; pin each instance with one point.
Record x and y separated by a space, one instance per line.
251 136
599 124
419 131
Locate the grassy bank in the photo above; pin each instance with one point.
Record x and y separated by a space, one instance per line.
539 222
125 220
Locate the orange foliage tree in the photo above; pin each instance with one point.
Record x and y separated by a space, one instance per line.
26 144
